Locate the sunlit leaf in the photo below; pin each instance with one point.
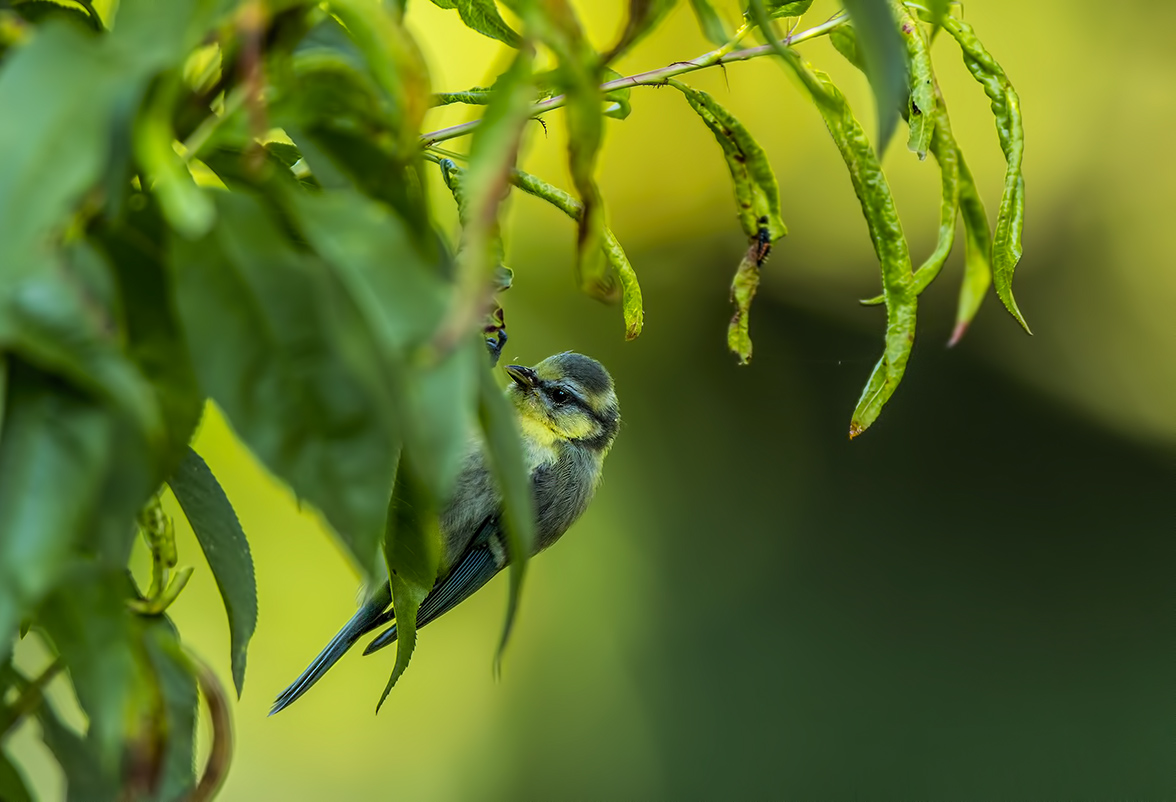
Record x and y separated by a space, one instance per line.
53 460
280 345
922 92
483 185
873 192
219 533
786 8
507 463
633 310
412 548
483 16
756 191
938 11
1006 108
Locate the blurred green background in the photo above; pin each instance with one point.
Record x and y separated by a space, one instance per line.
971 601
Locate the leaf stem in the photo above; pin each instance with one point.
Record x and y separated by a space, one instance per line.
656 77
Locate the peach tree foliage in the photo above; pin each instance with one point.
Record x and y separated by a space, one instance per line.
224 200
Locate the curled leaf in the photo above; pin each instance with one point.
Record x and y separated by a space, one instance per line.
1006 108
632 305
756 190
922 90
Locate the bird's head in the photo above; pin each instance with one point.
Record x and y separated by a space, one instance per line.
566 397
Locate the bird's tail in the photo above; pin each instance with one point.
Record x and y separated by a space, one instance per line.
369 616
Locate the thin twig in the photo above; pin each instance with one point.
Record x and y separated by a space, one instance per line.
653 77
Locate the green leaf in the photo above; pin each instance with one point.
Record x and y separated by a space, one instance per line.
1006 108
784 8
482 16
977 254
743 289
616 101
632 305
174 713
710 22
643 16
87 620
53 459
938 10
920 111
508 466
412 548
12 784
187 210
873 192
756 191
844 41
136 248
280 345
483 186
219 533
578 77
885 60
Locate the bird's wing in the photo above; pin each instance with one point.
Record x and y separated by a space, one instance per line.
370 616
475 568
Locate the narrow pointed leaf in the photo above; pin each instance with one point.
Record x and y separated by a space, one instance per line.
643 16
412 549
483 186
1006 108
712 25
219 533
632 305
977 254
884 57
786 8
507 463
921 103
483 16
878 208
756 191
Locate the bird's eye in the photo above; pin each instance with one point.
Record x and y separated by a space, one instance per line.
559 395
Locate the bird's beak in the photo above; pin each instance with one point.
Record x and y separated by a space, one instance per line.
523 377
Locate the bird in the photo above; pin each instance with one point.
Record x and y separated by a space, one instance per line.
568 415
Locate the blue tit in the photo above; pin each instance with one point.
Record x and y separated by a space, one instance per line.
568 417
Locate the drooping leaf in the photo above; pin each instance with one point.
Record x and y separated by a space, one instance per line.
578 77
922 92
633 310
53 460
844 41
977 254
219 533
507 463
280 345
483 16
884 56
1006 108
709 21
643 16
743 288
175 711
878 208
412 548
938 11
756 191
87 620
136 248
483 185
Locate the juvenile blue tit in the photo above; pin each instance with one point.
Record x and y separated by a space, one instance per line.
568 417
